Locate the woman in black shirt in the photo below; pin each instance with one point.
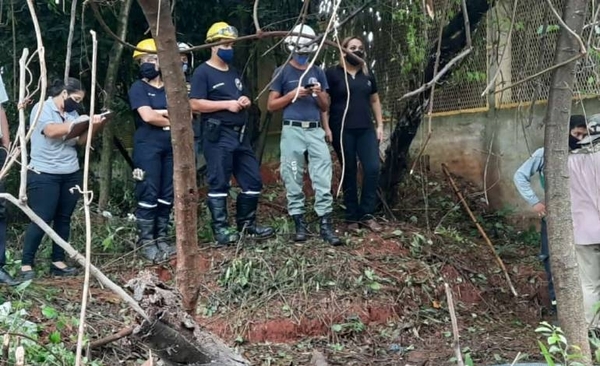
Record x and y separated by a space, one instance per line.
354 133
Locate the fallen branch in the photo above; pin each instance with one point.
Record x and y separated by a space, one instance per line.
479 228
456 341
101 277
125 332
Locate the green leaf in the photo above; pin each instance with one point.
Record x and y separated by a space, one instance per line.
375 286
54 337
23 286
107 243
546 354
49 312
337 328
397 233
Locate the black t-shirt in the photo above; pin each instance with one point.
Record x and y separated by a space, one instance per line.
361 88
213 84
142 94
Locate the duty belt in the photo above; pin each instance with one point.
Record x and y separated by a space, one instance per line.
302 124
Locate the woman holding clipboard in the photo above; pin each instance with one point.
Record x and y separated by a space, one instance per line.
54 169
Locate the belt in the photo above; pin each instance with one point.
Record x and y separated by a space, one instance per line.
302 124
235 128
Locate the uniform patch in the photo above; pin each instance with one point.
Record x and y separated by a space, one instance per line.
369 83
238 84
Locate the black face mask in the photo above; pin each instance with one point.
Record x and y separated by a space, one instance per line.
573 143
148 71
70 105
354 62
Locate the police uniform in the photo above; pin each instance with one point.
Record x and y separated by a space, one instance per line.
153 161
227 149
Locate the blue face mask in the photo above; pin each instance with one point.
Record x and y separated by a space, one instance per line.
148 71
300 59
185 67
225 54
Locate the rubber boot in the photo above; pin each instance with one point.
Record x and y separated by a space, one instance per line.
223 234
163 241
327 232
246 217
146 244
301 230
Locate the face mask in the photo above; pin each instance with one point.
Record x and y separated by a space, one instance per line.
353 62
225 54
148 71
300 59
185 67
70 105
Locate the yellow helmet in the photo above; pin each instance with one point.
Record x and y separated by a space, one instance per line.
146 44
220 31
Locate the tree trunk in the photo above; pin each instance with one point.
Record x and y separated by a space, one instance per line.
560 229
106 155
182 138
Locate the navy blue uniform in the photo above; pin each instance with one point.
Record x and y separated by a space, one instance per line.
152 153
225 155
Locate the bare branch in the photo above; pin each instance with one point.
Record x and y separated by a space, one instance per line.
446 68
101 277
582 49
70 39
456 341
86 205
255 17
21 132
508 39
574 58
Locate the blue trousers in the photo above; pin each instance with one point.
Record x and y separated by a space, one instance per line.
153 153
545 258
49 196
359 143
228 156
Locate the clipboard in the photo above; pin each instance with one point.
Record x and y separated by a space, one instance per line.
78 127
81 125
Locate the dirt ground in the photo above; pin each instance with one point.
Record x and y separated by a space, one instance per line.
379 300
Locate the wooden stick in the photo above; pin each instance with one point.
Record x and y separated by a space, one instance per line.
5 346
87 198
456 341
101 277
479 228
20 356
70 39
21 131
125 332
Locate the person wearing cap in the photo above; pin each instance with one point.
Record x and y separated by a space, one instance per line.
217 92
301 92
5 277
522 180
152 156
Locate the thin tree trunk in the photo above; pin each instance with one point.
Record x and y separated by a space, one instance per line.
182 137
106 157
560 229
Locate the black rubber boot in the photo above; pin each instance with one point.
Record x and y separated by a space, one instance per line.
301 230
223 234
246 217
146 244
163 241
327 232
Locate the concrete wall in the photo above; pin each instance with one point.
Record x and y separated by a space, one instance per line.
464 141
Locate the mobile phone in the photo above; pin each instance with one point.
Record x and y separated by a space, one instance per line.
105 114
308 86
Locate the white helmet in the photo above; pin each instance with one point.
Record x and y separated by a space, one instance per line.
183 50
300 44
